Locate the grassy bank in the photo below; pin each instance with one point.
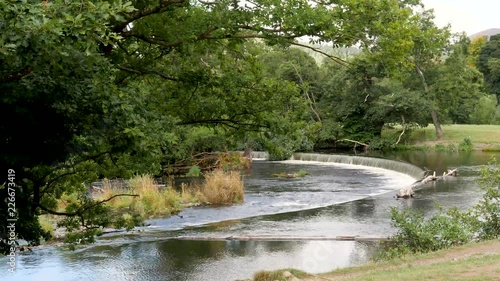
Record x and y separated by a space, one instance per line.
483 137
480 261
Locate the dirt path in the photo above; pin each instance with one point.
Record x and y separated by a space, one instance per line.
482 272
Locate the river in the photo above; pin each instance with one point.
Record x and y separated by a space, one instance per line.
334 199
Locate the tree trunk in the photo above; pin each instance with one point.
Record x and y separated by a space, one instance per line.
437 125
435 119
407 191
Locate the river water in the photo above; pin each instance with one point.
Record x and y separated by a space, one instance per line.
335 199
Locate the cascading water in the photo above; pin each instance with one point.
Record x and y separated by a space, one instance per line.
260 155
393 165
397 166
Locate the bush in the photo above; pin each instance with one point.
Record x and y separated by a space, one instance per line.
488 209
440 147
445 229
419 235
382 143
451 147
194 171
466 145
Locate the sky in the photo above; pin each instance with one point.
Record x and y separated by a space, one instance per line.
471 16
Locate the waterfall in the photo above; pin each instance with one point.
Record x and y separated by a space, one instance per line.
393 165
260 155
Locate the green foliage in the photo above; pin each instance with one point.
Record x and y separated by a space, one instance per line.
488 209
417 234
194 171
466 145
278 275
128 221
484 112
47 224
300 174
381 143
440 147
457 87
488 64
474 50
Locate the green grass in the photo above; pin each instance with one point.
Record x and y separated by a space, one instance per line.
456 133
464 262
300 174
425 138
446 270
278 275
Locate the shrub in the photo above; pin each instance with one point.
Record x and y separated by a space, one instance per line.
466 145
440 147
445 229
419 235
451 147
194 171
382 143
222 187
488 209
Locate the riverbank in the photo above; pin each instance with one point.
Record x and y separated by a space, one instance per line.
479 261
483 137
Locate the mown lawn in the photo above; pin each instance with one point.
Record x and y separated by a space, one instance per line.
487 134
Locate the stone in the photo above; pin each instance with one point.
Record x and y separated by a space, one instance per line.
287 274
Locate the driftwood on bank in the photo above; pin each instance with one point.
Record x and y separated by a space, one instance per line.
408 191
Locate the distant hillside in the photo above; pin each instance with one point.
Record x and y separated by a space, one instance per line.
487 32
342 53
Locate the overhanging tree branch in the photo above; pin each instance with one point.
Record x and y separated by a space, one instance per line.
81 211
334 58
16 76
162 7
147 72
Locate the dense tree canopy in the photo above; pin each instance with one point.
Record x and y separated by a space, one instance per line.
487 63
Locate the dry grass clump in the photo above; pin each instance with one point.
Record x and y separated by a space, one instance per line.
219 188
151 201
222 187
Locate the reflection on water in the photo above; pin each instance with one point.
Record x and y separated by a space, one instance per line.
189 260
152 256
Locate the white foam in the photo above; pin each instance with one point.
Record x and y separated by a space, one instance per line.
395 178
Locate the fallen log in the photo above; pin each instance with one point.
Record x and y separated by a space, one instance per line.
408 191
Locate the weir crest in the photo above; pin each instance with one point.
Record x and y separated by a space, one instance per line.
402 167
